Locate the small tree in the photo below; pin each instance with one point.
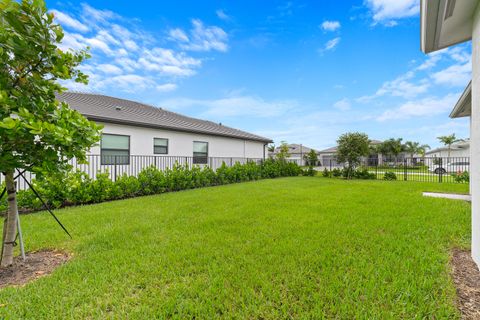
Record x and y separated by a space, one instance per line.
392 147
37 132
352 147
271 147
413 148
448 141
283 153
311 157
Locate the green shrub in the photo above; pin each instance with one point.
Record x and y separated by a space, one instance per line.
336 172
461 176
75 188
389 176
363 173
326 173
309 172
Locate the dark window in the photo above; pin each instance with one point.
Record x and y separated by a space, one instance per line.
160 146
115 149
200 152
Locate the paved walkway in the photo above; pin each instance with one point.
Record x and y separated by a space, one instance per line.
465 197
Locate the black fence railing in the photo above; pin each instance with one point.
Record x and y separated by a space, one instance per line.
426 169
133 165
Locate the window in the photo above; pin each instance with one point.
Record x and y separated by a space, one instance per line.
200 152
160 146
115 149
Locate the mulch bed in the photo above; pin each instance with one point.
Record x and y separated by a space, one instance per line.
37 264
466 277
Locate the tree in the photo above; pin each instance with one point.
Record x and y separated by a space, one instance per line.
391 147
271 147
351 148
414 148
448 141
37 133
283 153
311 158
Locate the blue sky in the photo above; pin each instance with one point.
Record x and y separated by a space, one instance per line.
299 71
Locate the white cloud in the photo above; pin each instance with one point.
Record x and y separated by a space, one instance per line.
222 15
236 106
455 75
128 82
403 86
178 35
388 11
66 20
202 38
330 25
97 15
130 56
420 108
167 87
109 69
342 105
330 45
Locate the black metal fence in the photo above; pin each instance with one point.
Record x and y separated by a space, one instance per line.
133 165
426 169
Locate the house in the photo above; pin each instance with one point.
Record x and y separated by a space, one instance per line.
445 23
327 157
460 149
297 153
134 129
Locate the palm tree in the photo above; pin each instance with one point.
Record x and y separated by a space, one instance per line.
448 141
415 148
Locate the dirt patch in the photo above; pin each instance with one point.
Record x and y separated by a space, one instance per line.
466 277
36 265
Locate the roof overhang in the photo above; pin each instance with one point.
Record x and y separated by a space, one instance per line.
445 23
463 107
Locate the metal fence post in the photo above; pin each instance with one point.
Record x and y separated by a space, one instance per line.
231 162
440 171
376 168
114 168
405 169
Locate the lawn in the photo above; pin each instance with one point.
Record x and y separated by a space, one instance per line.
284 248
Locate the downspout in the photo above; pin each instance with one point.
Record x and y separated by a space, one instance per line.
264 146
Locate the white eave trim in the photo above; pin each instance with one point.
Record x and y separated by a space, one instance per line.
463 107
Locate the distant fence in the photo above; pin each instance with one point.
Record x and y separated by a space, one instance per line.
132 165
426 169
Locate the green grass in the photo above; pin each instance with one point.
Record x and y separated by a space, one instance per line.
284 248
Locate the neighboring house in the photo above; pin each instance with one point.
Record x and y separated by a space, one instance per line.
328 156
444 24
459 149
136 129
297 152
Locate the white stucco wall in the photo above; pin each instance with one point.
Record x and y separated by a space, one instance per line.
455 153
475 138
181 143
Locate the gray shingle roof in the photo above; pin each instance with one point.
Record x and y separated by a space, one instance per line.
99 107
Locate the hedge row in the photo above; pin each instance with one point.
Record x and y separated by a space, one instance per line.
76 188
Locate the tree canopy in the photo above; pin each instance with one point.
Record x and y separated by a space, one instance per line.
351 148
37 132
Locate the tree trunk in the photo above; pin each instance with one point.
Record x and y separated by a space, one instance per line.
10 222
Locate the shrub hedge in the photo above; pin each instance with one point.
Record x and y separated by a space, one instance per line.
360 173
76 188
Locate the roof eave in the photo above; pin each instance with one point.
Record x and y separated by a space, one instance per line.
461 107
431 23
145 125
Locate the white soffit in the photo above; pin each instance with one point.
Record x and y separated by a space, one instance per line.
445 23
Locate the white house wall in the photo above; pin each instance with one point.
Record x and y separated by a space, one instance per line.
181 143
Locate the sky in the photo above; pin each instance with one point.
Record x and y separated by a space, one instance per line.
295 71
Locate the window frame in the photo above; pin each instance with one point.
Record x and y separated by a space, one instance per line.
102 162
198 159
168 142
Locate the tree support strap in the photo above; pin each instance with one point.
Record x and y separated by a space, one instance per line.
20 174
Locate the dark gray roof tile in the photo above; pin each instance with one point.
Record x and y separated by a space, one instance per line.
99 107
